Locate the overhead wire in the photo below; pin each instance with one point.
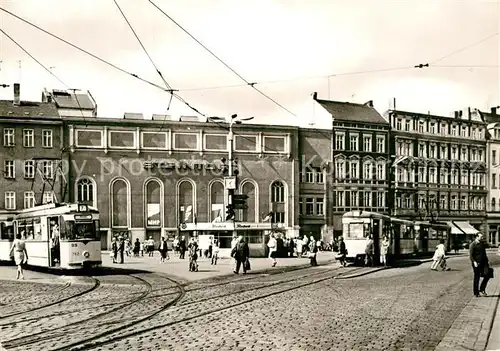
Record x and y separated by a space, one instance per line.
91 54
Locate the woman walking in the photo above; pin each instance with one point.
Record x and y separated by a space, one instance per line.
18 250
384 250
163 248
272 245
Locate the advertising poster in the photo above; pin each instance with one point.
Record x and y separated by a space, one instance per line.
153 215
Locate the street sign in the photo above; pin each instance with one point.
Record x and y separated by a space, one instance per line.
240 206
240 198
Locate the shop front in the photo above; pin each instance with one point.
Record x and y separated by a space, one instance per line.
253 233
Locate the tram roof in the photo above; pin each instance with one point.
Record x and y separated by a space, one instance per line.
52 209
364 214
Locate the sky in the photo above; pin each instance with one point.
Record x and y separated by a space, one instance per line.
289 48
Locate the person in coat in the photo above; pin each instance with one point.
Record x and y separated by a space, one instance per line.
480 265
369 252
163 248
121 248
313 251
342 252
182 247
242 255
137 247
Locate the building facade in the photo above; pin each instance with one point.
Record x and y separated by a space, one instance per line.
440 169
151 177
357 175
493 180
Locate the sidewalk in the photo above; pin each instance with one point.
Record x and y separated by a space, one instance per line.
225 266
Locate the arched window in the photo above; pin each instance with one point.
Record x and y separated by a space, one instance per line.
186 202
278 201
493 204
153 204
217 201
120 203
85 191
248 214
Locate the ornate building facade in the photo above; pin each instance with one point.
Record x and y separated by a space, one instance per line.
440 169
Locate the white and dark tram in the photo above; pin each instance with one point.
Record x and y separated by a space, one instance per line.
406 237
56 235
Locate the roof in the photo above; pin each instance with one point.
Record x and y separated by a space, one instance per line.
490 117
75 100
347 111
27 109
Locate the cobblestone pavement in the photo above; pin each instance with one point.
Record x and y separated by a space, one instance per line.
307 309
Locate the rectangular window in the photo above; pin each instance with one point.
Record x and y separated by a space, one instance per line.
367 171
319 175
465 178
9 137
421 150
340 169
464 153
367 143
443 175
454 153
432 127
245 142
432 151
421 175
354 143
432 175
380 171
278 217
494 180
215 142
48 169
444 129
444 153
408 202
380 144
407 125
367 199
28 138
339 141
89 138
463 202
464 131
185 141
309 206
380 199
9 169
354 170
454 176
274 144
48 197
421 128
454 202
29 169
301 206
354 198
340 199
442 202
154 140
10 200
454 130
480 155
319 206
309 175
399 123
47 138
29 199
122 140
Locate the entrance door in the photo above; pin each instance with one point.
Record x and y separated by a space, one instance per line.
376 238
54 236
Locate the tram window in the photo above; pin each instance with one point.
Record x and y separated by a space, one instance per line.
355 231
252 236
80 230
37 229
7 232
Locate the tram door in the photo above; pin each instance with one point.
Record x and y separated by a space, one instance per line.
376 241
54 241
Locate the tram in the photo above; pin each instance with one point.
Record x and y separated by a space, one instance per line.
56 235
406 237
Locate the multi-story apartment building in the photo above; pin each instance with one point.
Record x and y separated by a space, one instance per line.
30 154
493 180
440 169
157 176
360 154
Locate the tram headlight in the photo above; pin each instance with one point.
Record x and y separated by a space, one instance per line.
86 254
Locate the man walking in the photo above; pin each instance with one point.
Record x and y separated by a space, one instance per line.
241 255
480 265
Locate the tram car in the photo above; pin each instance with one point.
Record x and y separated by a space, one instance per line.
56 235
407 237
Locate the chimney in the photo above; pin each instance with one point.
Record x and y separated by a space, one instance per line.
469 114
17 94
369 103
315 95
455 114
493 110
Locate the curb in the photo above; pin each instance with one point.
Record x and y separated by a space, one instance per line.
495 319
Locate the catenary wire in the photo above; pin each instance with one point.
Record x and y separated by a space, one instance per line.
90 54
252 85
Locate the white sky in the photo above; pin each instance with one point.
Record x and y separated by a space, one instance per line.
263 40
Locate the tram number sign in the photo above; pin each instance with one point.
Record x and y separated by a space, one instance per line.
74 245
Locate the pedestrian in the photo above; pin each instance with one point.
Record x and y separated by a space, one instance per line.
439 255
163 248
313 251
182 247
234 244
384 250
291 247
299 247
151 246
241 256
369 251
272 245
210 246
121 248
18 250
305 243
175 245
342 252
215 252
114 250
193 255
143 245
137 247
480 265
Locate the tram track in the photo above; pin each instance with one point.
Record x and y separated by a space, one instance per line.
60 288
29 310
120 332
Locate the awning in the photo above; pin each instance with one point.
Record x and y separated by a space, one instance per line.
462 228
